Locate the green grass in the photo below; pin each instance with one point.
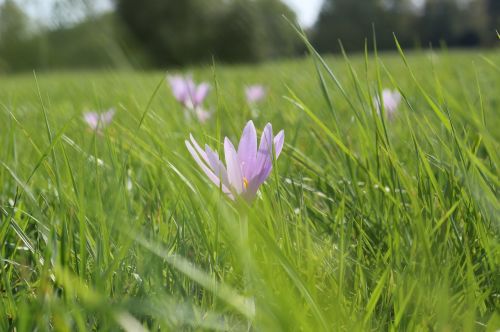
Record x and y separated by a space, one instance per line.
365 224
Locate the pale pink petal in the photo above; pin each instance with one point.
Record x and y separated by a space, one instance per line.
205 168
233 166
391 101
202 115
190 87
92 119
199 149
279 140
268 166
264 157
178 86
107 117
201 93
217 165
247 149
255 93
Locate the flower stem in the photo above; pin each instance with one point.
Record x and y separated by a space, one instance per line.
246 259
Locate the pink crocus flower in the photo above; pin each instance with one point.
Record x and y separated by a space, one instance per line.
185 90
99 120
203 115
255 93
391 99
247 168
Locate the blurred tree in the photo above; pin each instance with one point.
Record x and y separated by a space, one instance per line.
439 22
279 38
98 46
456 22
352 22
13 22
475 20
182 32
13 34
255 30
238 33
493 9
173 31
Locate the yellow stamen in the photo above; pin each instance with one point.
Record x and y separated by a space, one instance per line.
245 182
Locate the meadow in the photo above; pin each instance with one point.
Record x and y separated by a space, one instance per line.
365 223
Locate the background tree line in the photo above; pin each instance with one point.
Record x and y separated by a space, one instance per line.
188 31
150 33
159 33
463 23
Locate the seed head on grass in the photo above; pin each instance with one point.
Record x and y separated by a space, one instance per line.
247 168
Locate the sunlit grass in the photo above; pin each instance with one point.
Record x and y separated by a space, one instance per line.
364 223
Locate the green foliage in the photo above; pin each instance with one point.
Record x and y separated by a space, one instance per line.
456 23
172 31
365 224
278 41
238 35
14 23
194 31
13 32
99 42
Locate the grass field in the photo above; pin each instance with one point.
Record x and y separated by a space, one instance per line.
364 224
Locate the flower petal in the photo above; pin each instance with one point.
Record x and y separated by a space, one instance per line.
254 93
279 140
233 166
268 165
247 149
178 86
107 117
391 100
92 119
203 115
200 94
199 149
264 159
205 169
217 165
190 87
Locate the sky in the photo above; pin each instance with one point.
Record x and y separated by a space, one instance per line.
307 10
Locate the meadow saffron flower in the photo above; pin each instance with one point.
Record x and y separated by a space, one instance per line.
190 95
255 93
391 99
99 120
247 168
203 115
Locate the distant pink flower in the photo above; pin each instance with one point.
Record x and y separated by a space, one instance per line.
185 90
247 168
255 93
203 115
391 100
99 120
